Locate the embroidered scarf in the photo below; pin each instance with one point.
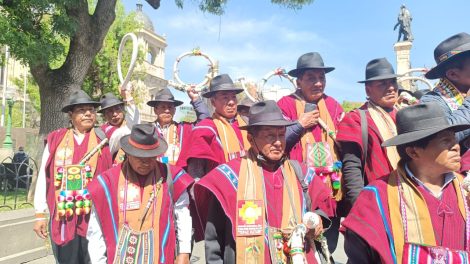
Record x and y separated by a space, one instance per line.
230 144
128 190
451 95
409 214
387 129
64 156
327 136
252 208
119 158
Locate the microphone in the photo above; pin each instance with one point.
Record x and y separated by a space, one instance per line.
309 107
311 220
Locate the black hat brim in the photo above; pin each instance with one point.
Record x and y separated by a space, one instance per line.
295 72
69 107
209 94
270 123
153 103
141 153
109 106
420 134
436 71
381 77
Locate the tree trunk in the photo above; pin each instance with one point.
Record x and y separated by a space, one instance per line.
56 86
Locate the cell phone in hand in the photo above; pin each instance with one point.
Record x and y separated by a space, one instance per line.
309 107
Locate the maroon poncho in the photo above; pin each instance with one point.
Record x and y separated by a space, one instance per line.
104 195
78 224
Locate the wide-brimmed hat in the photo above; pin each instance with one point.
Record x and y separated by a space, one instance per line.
143 142
379 69
109 100
419 121
447 51
266 113
78 97
311 60
219 83
164 95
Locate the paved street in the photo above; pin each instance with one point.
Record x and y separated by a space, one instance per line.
339 255
198 255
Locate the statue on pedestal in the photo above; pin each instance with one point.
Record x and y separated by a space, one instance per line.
404 25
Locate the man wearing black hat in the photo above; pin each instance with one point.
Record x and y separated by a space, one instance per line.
419 213
164 106
66 169
117 113
120 116
263 189
218 139
243 108
140 210
363 130
451 92
317 116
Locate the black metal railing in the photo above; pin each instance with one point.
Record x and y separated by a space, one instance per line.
15 181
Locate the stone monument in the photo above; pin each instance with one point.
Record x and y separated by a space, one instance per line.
402 48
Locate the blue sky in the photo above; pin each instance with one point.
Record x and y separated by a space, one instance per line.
254 37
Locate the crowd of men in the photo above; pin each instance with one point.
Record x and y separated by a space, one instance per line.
267 182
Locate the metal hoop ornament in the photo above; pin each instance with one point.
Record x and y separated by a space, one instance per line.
242 82
135 49
277 72
407 77
180 85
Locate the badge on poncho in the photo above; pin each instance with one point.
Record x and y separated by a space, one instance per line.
132 199
250 218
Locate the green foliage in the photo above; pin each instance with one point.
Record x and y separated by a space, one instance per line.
349 106
217 7
293 4
102 77
37 31
32 90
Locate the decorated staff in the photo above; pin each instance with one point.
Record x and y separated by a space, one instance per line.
64 176
252 207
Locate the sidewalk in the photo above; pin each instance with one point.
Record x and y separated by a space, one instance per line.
339 255
49 259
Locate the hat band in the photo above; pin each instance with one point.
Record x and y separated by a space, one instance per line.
144 147
448 54
266 117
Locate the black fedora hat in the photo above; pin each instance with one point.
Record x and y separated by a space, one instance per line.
219 83
419 121
143 142
109 100
311 60
379 69
447 51
78 97
266 113
164 95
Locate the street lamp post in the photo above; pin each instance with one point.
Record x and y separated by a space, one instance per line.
8 142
